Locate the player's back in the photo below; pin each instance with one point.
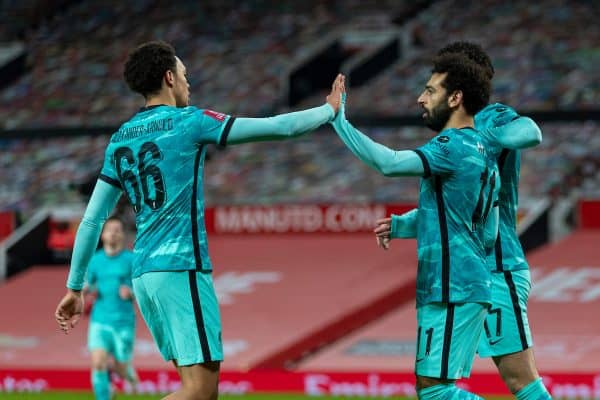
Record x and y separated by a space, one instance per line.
457 193
508 254
157 159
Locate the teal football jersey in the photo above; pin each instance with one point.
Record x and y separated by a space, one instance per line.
508 254
458 189
106 274
157 159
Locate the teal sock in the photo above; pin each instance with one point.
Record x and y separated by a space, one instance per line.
446 392
101 384
534 391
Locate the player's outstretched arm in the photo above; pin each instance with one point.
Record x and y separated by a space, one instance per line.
379 157
285 126
103 200
519 133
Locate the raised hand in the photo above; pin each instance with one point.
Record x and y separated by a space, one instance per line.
69 310
335 96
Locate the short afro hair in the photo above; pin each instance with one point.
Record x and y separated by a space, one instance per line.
146 66
464 75
473 51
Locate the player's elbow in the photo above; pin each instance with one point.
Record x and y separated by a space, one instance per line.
386 170
538 136
291 133
535 135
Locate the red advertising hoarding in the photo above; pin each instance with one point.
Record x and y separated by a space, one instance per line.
589 213
367 384
299 218
7 223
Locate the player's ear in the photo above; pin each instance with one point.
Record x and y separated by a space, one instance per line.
455 99
169 78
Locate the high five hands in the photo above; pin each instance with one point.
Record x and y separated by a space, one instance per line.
335 96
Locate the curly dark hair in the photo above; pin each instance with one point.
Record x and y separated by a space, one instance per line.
473 51
466 76
146 66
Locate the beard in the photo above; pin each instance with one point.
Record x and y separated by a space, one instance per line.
437 118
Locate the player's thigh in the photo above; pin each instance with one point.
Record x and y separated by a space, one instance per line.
99 359
506 328
185 319
100 337
447 338
124 343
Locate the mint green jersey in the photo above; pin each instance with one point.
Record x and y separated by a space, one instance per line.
508 254
157 159
106 274
458 190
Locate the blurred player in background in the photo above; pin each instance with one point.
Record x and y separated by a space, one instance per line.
156 158
507 336
453 283
112 323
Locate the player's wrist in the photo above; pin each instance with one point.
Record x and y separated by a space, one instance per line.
331 109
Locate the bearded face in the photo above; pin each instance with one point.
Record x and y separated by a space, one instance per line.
434 102
438 115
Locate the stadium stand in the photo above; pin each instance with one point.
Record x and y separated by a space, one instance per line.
227 62
235 57
316 168
236 63
543 55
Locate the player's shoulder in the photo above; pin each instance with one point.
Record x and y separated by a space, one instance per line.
98 254
471 141
495 107
145 121
493 115
193 113
128 253
453 136
190 110
448 141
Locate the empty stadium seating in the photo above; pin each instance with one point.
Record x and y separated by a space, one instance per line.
315 168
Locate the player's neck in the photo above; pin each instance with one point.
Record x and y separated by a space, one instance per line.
458 120
112 250
164 97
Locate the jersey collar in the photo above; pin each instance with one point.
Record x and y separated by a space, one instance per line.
142 109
